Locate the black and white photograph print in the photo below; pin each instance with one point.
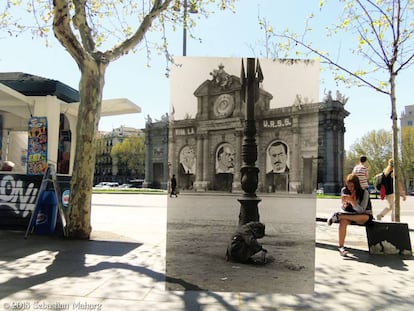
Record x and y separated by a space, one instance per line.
235 229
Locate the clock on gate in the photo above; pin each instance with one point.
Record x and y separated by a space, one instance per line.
223 106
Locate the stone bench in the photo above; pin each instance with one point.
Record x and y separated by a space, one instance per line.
386 238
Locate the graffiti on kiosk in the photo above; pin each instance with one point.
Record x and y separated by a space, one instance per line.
17 195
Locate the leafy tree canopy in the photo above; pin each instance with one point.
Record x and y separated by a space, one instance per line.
132 152
377 146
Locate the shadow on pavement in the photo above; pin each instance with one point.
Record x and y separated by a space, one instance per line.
13 244
395 262
59 258
23 258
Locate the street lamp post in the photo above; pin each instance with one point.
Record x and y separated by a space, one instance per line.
249 172
193 9
185 29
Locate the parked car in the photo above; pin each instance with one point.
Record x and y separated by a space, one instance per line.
106 185
136 183
126 186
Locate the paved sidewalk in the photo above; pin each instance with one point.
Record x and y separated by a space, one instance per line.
122 268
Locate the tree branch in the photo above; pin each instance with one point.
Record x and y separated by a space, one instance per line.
117 51
377 36
63 32
333 63
81 23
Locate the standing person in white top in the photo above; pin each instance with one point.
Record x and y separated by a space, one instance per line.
361 170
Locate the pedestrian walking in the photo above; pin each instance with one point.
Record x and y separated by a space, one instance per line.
388 182
361 170
173 186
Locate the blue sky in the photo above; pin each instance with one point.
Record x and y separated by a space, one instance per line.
225 34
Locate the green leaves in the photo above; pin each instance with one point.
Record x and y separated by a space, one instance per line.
376 145
321 4
131 152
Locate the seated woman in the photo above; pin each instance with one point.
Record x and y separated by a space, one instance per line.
356 207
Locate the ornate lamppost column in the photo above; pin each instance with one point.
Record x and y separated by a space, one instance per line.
249 172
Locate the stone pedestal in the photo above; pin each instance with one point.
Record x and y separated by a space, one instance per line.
201 186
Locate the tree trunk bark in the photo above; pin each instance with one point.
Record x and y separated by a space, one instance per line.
90 89
395 154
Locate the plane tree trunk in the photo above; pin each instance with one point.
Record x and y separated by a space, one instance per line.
91 89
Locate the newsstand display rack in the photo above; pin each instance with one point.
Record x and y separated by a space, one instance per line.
48 177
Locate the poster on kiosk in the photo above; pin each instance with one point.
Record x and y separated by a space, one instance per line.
37 146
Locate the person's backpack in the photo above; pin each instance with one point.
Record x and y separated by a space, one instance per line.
378 181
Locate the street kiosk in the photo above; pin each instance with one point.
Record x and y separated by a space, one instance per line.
38 119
